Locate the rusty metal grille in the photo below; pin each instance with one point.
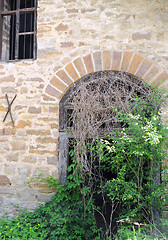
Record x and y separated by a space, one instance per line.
101 90
18 29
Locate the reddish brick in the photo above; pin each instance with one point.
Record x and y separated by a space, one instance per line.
163 77
88 63
144 68
135 64
97 61
80 67
152 73
106 60
116 60
53 92
64 77
72 72
47 98
58 84
126 61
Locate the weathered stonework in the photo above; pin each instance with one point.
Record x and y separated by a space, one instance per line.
74 38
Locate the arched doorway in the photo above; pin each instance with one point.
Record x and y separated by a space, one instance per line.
96 99
101 92
65 82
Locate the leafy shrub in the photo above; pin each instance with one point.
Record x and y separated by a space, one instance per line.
66 216
126 174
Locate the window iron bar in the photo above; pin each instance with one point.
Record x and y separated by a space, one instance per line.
26 33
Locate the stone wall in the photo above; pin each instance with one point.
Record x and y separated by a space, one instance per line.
74 38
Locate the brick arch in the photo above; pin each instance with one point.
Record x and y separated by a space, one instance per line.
102 61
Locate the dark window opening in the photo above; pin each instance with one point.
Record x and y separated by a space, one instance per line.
18 29
9 5
27 4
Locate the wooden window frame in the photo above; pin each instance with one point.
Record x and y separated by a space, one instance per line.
17 12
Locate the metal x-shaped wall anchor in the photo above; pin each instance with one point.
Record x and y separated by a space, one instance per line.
9 108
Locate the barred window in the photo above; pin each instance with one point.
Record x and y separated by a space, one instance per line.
18 29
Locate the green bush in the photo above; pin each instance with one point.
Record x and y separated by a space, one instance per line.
66 216
132 156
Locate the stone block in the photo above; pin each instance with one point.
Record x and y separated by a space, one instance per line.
67 44
30 159
12 157
4 180
141 36
24 171
26 194
10 169
19 145
53 109
61 27
42 197
44 140
3 109
7 131
41 152
72 10
8 79
23 124
38 132
54 125
34 110
52 160
37 79
23 90
9 90
47 98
